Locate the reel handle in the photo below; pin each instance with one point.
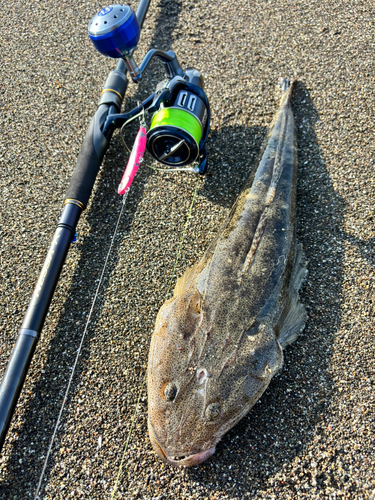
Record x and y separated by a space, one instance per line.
115 32
169 59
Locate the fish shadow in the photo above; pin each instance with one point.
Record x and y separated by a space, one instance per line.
291 413
229 167
37 423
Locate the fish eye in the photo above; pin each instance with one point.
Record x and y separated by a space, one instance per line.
212 411
169 392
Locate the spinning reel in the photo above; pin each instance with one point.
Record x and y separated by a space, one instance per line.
179 107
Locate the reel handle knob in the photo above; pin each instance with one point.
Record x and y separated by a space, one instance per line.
115 31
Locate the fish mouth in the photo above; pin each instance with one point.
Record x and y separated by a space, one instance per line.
179 461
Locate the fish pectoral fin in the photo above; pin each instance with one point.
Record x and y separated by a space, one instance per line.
295 311
183 283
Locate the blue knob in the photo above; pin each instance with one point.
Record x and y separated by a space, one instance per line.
115 31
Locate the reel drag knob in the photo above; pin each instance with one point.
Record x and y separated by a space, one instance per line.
115 31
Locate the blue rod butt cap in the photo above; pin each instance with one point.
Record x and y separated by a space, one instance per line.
115 31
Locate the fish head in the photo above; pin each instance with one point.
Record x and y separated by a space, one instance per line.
198 390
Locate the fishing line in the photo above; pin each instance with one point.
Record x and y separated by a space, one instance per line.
142 113
182 239
36 497
144 376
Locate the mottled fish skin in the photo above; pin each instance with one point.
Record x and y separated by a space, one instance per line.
219 340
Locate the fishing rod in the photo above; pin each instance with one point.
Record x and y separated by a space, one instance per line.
180 118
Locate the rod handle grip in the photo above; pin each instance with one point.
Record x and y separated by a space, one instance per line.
93 149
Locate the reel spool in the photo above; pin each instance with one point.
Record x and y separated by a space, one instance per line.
115 31
179 128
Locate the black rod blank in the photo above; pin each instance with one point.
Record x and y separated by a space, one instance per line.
36 313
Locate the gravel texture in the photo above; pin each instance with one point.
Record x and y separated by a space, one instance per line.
312 433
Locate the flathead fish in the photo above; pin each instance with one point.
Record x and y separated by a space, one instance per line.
219 340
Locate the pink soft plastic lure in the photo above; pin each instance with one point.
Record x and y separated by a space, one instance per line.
134 161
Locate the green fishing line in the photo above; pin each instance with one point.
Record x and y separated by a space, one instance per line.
179 118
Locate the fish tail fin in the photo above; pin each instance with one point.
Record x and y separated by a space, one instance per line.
286 88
